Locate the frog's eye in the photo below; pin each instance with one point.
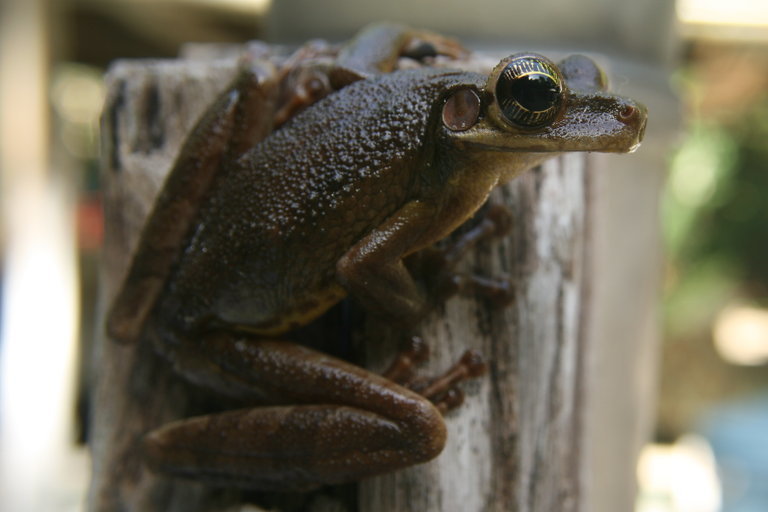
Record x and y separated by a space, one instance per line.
461 109
528 90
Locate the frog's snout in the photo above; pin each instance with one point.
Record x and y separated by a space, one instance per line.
634 116
642 131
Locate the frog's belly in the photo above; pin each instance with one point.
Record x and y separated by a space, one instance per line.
252 316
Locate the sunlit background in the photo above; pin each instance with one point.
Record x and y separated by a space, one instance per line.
710 445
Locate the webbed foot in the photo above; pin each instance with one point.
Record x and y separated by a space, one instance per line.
436 264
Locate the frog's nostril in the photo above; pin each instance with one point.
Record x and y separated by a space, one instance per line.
628 112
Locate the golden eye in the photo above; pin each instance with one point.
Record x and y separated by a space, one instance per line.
529 91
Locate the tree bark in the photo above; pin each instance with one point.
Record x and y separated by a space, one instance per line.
515 442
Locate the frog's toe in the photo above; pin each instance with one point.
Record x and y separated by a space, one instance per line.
443 390
403 367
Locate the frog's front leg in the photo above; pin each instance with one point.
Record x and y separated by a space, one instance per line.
379 270
374 272
345 423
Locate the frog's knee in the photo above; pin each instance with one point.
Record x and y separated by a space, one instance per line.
427 431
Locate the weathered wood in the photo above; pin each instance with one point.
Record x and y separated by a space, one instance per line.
515 442
149 109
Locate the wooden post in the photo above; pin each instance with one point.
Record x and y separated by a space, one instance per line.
515 442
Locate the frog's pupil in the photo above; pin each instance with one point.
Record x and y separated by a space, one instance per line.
535 92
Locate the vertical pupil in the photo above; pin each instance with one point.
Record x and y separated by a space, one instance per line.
535 91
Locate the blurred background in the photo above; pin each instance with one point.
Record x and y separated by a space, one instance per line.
695 192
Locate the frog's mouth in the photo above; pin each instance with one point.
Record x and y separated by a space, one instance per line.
597 121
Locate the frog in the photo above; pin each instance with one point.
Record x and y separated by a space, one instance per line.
281 204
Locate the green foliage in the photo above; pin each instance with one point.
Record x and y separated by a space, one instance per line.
716 216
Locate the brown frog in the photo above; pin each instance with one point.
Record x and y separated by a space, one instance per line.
263 225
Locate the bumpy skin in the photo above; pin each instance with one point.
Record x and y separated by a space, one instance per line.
258 232
265 251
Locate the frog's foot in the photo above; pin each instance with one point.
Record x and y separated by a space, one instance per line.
442 390
495 222
498 291
301 86
436 264
425 46
403 367
304 79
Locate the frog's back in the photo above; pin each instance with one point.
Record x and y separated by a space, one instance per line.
267 241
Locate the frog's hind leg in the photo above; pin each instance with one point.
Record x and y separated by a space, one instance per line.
343 422
239 118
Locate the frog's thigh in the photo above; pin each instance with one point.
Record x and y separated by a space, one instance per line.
351 423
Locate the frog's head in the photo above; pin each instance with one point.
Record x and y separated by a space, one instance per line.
530 104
